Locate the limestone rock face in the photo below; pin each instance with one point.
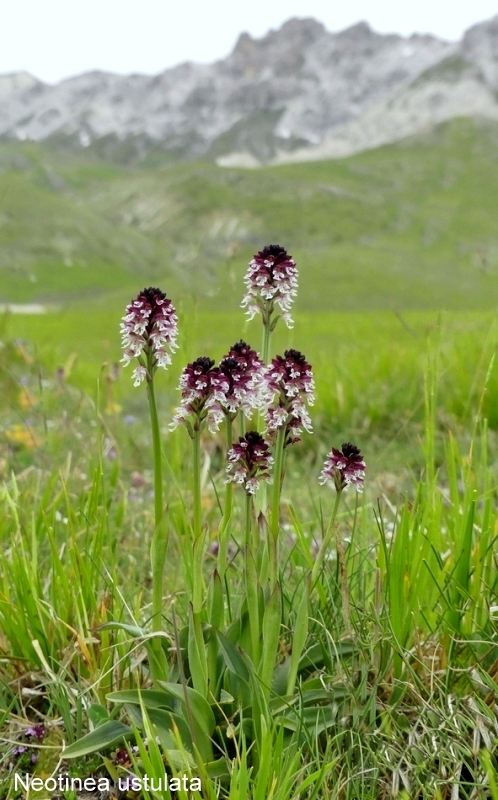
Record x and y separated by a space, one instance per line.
298 93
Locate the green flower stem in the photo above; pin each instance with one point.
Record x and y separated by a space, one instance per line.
343 582
261 501
251 581
156 446
197 649
259 424
275 506
242 423
197 482
272 619
198 539
159 542
248 525
341 562
223 534
266 340
325 546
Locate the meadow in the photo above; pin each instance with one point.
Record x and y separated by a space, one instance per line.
304 643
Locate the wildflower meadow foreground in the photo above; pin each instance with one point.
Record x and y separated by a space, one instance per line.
233 637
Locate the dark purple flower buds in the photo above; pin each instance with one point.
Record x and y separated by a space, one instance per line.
344 467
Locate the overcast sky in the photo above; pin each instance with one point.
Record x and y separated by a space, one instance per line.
54 39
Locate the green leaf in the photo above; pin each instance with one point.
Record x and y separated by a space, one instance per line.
225 697
218 769
197 660
312 658
316 656
462 571
232 657
133 630
179 759
165 721
233 631
337 693
169 725
280 678
151 698
104 736
316 720
271 632
216 603
200 708
97 714
252 594
298 639
316 779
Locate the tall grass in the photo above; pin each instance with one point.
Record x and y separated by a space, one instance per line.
395 699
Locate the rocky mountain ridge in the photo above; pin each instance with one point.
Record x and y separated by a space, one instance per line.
298 93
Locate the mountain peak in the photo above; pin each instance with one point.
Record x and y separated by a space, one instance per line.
295 33
18 81
297 92
484 33
360 30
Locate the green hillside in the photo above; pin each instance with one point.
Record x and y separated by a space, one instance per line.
405 227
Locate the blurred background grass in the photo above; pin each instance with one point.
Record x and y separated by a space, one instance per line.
397 250
408 226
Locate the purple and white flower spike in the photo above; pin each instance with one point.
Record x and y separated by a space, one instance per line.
201 385
271 279
240 384
344 467
291 387
249 462
149 331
